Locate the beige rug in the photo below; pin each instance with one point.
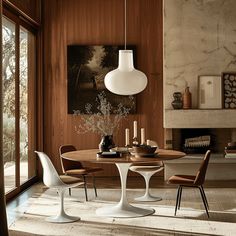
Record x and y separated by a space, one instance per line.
190 220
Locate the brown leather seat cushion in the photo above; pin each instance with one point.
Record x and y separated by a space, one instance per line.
182 179
83 171
70 180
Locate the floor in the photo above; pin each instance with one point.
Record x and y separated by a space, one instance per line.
221 197
9 174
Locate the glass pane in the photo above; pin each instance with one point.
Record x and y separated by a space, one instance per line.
27 108
8 64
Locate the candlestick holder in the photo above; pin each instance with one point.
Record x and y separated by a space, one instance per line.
135 141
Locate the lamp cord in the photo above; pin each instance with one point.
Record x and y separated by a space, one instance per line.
125 23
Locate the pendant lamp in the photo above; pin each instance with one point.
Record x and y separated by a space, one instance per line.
125 80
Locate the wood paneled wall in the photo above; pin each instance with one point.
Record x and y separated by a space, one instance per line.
95 22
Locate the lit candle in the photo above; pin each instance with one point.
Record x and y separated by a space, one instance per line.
135 129
142 135
126 137
148 142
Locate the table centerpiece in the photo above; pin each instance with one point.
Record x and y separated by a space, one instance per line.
103 122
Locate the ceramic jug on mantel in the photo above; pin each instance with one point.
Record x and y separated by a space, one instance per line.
187 99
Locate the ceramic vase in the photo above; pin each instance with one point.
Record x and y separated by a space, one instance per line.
177 103
187 99
106 143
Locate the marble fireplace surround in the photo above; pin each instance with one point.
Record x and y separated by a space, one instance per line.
199 39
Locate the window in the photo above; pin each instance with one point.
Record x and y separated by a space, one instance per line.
18 68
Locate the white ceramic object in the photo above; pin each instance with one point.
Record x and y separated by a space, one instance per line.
52 180
120 149
123 209
152 143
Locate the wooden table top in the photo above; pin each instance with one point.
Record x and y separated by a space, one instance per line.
91 156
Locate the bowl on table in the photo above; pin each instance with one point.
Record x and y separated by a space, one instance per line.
143 151
232 144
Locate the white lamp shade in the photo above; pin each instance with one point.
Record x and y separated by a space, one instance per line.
125 80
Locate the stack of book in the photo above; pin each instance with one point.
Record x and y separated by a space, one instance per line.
230 151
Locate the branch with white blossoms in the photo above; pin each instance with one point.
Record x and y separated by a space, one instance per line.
105 121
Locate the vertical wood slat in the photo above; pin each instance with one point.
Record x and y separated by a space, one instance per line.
95 22
3 217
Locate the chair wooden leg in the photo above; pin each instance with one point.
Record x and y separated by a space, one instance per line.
70 191
204 201
177 200
94 186
85 188
180 195
204 196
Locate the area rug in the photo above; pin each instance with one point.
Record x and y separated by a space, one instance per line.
190 220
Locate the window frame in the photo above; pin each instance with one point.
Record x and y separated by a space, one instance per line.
19 22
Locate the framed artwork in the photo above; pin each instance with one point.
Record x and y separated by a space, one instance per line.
209 92
229 89
86 69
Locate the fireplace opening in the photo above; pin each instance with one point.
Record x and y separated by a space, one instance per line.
198 141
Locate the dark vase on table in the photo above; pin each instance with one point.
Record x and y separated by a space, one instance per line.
106 143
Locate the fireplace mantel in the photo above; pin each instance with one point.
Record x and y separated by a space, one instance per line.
198 118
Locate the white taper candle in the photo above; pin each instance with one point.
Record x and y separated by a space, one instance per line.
126 137
142 135
135 129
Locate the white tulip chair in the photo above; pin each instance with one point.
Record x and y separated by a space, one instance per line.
62 183
147 172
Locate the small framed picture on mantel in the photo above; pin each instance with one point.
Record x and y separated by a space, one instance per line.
209 92
229 90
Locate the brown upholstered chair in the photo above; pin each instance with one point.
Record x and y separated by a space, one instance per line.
196 181
75 168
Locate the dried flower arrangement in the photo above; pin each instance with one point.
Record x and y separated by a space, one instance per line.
106 120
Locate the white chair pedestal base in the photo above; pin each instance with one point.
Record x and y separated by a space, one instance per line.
148 198
147 172
62 217
123 208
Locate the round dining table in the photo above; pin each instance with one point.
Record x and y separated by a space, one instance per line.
123 208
